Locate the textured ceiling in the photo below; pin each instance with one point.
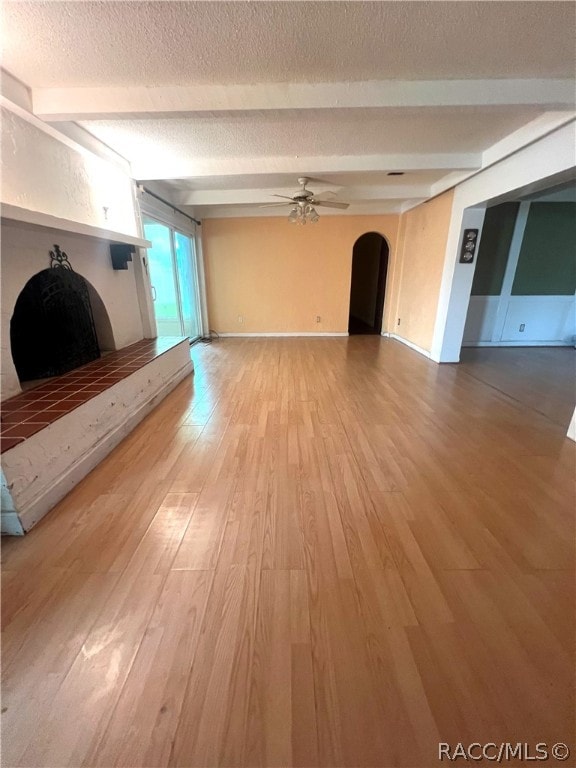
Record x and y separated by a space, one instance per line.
223 103
178 43
316 132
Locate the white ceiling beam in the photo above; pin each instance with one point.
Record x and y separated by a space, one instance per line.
263 196
15 91
527 134
252 211
99 103
164 167
533 131
89 145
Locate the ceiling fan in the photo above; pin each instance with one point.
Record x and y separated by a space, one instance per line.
303 204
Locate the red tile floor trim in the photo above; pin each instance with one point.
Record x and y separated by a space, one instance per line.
29 412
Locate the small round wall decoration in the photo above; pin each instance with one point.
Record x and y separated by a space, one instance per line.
468 249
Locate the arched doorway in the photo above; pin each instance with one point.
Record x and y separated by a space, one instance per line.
368 285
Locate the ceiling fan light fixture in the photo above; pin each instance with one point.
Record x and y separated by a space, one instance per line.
302 204
294 215
303 213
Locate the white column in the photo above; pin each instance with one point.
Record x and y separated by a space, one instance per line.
144 293
446 346
510 272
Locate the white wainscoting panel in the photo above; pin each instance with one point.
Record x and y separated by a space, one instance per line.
543 318
546 320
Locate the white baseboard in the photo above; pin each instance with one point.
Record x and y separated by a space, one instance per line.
517 344
39 507
273 335
415 347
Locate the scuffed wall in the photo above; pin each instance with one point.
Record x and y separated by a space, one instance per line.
42 173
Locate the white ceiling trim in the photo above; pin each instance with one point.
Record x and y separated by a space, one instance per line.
167 168
264 196
100 103
375 208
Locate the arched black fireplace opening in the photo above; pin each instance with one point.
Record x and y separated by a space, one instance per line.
52 329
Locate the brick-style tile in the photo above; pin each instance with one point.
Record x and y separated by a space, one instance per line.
35 416
59 406
24 430
77 397
9 442
28 412
12 405
15 417
25 396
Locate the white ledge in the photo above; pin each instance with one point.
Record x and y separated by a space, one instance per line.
39 219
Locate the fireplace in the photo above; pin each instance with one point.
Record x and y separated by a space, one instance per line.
54 320
52 330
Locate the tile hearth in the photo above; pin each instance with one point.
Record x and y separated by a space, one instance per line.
29 412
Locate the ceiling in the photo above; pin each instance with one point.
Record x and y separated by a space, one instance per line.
222 104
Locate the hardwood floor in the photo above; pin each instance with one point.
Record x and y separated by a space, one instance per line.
540 378
319 552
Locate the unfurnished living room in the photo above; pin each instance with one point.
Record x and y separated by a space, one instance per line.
288 384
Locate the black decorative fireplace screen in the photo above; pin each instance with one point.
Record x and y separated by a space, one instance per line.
52 329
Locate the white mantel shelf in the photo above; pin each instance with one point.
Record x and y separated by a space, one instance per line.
36 218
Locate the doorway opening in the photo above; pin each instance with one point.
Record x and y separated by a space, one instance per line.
521 318
174 280
368 285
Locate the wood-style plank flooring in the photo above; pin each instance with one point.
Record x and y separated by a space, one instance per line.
318 552
540 378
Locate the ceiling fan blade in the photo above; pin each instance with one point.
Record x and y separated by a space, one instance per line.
330 204
274 205
284 196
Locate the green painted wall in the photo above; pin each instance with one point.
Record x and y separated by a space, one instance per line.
547 263
493 251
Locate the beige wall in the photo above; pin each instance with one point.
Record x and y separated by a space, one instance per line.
280 276
422 240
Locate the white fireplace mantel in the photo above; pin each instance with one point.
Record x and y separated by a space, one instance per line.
37 218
